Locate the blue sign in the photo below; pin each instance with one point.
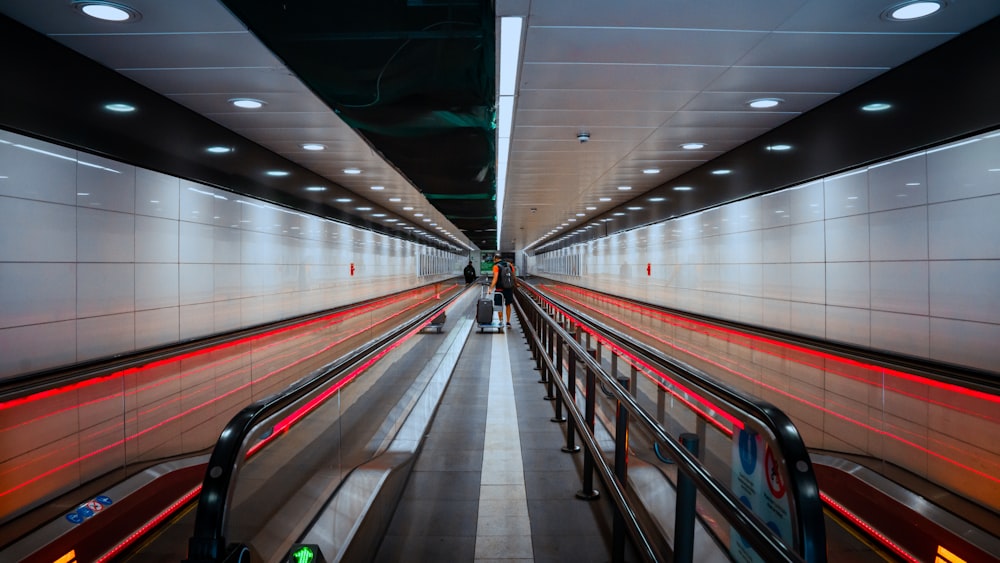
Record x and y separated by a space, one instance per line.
89 509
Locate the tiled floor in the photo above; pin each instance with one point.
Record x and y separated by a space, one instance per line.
454 509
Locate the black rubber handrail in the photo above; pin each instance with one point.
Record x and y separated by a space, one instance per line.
809 515
208 543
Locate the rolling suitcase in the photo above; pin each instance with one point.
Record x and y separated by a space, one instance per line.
484 308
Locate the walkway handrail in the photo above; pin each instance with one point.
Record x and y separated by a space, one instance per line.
208 543
802 485
742 519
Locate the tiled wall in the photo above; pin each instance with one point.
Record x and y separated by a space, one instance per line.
101 258
901 256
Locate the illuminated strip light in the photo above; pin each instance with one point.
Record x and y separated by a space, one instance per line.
52 392
68 558
510 58
152 523
927 450
869 529
945 556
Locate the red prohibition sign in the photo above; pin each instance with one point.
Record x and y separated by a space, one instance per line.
774 481
95 506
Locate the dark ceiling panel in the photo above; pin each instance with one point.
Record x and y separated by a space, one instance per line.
416 79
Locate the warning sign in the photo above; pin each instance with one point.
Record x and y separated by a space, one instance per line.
759 481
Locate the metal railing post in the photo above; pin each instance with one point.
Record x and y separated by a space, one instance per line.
588 492
685 513
571 446
621 473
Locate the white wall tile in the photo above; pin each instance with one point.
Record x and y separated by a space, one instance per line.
31 348
967 290
899 183
156 286
227 315
751 280
777 282
197 284
156 327
964 169
900 287
156 239
46 232
807 242
105 236
196 244
776 245
899 235
775 210
751 310
156 194
807 203
37 170
848 284
965 229
808 283
228 284
846 194
776 314
965 343
903 334
197 320
105 289
847 239
197 203
809 319
107 335
35 293
105 184
849 325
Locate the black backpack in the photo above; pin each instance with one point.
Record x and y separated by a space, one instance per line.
505 279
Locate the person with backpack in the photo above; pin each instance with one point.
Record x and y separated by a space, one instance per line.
504 278
470 273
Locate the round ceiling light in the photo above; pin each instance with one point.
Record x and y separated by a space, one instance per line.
764 103
912 9
247 103
107 11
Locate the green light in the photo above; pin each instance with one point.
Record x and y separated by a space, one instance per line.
304 554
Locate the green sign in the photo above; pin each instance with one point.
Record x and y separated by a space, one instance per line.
304 554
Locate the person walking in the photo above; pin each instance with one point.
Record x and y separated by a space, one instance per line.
504 277
470 273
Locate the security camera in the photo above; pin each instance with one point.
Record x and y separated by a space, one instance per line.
583 136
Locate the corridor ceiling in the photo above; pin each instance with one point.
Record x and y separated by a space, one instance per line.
403 92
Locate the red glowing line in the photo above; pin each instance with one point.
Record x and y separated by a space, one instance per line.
799 398
8 468
152 523
633 360
868 528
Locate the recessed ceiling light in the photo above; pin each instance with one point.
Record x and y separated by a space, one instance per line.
418 214
378 188
657 199
378 214
692 146
119 107
779 147
572 219
682 188
352 171
313 146
590 208
391 220
633 208
218 150
580 214
624 188
316 188
363 208
343 200
722 172
651 171
912 10
605 199
764 103
395 199
108 11
876 106
277 173
407 208
247 103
